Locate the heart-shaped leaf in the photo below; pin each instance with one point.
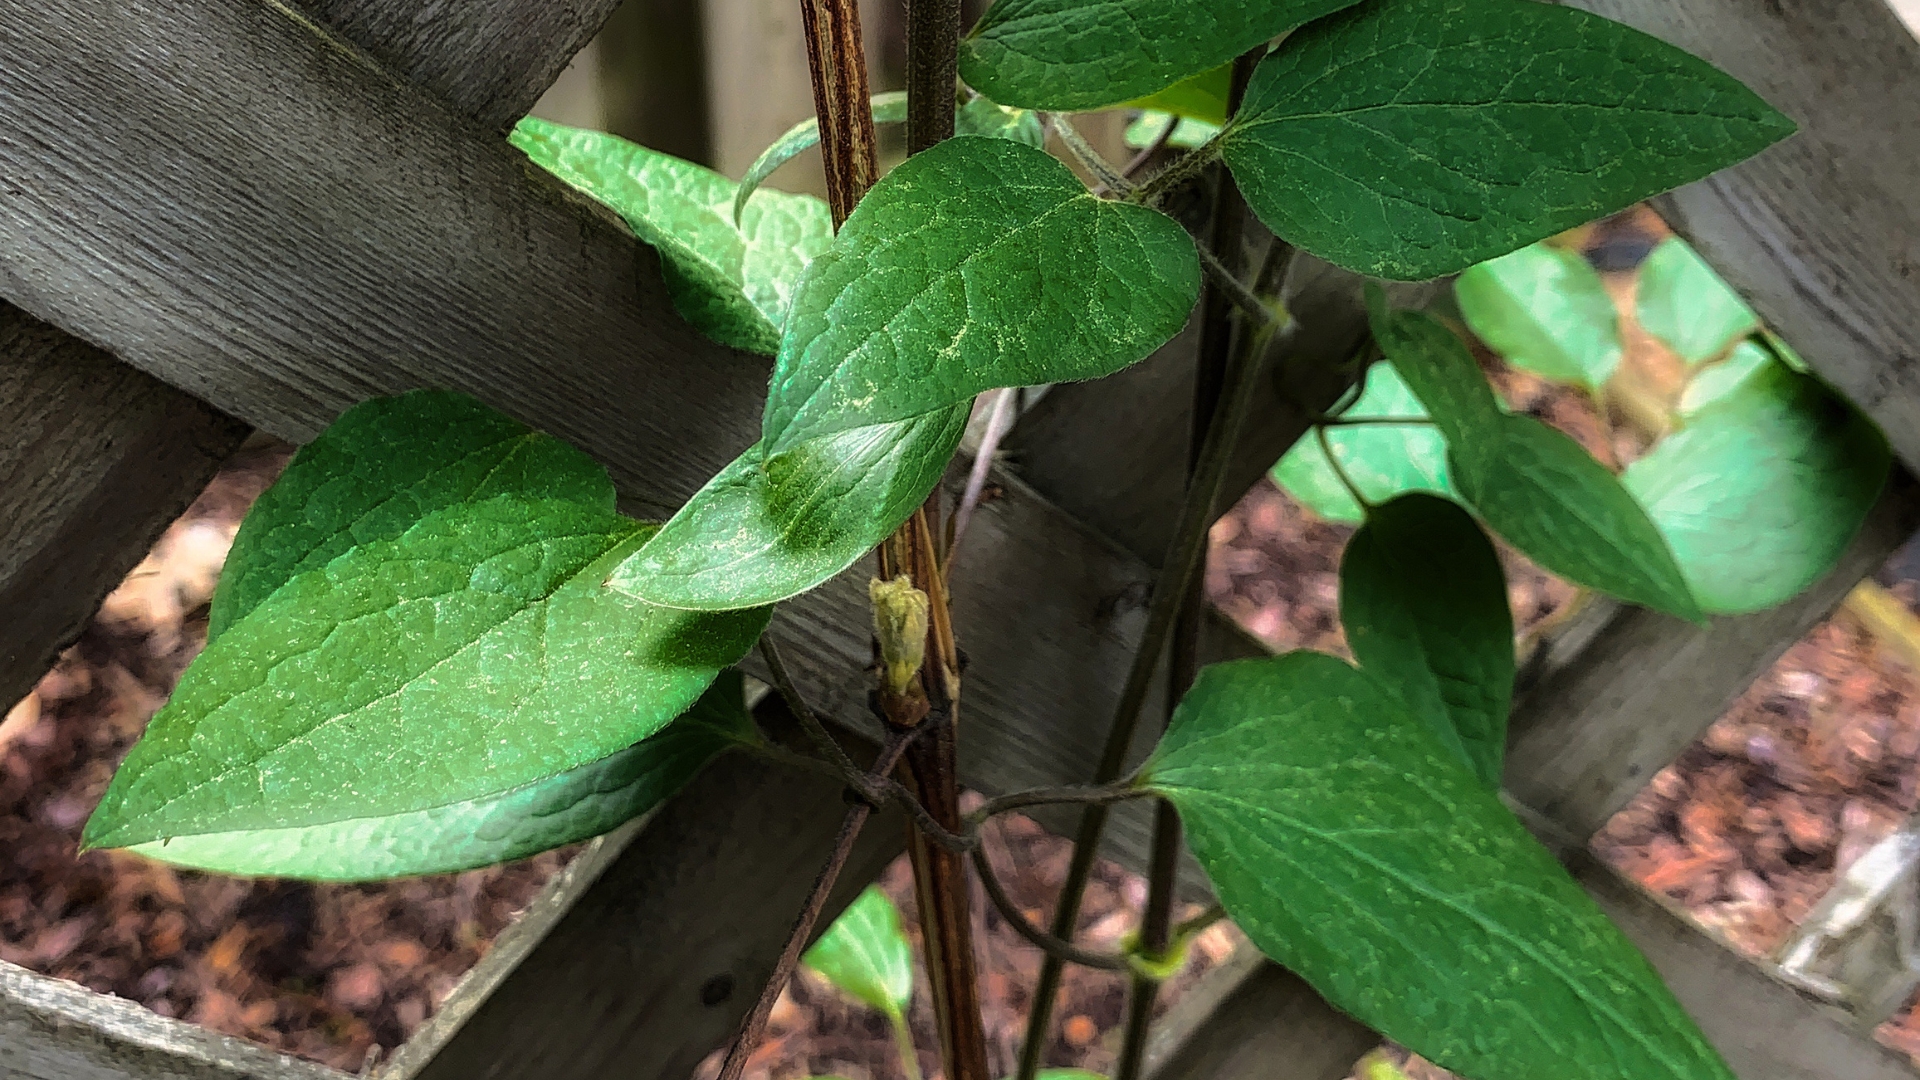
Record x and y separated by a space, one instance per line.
979 263
867 955
1067 55
573 806
1681 301
476 652
1354 848
382 466
770 526
1530 483
1763 489
1408 139
1545 310
733 282
1424 604
1382 460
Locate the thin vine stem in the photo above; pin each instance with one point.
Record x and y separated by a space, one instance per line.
1220 276
1058 948
1109 177
809 721
1339 470
1364 421
1084 795
1182 561
1182 169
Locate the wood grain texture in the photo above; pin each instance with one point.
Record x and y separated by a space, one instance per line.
1589 733
305 231
51 1029
1820 233
488 59
97 459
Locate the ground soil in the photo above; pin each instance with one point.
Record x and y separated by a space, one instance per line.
1749 827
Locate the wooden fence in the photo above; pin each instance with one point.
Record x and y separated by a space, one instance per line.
218 215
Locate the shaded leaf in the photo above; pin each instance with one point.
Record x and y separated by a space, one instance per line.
1408 139
1763 489
1424 604
476 652
1066 55
866 954
1355 849
382 466
1530 483
573 806
976 264
1383 460
1545 310
733 282
1681 301
772 526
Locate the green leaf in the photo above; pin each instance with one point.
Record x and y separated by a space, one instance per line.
1424 604
1067 55
378 469
1531 484
996 121
573 806
1761 492
1546 496
1714 382
1145 130
476 652
734 283
1408 139
976 264
1545 310
976 117
1202 97
888 108
1355 849
1383 460
1681 301
1439 370
770 527
866 954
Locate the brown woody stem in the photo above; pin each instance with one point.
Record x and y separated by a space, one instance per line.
838 63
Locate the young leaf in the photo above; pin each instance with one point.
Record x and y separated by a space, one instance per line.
1424 605
772 526
867 955
1383 460
381 467
1355 849
976 117
1413 138
734 283
1531 484
1681 301
476 652
1545 310
1762 490
979 263
1071 55
1546 496
1202 97
573 806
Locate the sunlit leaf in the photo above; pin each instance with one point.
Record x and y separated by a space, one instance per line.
1202 97
1383 460
1544 310
866 954
1681 301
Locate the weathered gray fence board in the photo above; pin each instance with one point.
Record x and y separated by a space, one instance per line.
54 1030
489 60
1589 734
1821 233
97 458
